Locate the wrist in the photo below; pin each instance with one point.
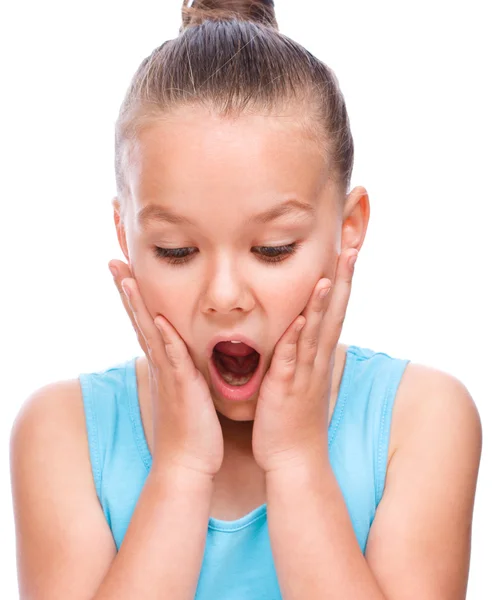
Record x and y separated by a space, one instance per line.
303 469
180 476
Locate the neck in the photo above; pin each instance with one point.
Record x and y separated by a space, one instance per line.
237 434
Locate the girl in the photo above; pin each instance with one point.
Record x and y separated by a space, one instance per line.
249 454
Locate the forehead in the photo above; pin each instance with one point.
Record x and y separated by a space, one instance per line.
195 160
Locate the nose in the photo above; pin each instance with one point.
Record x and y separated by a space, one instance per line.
227 288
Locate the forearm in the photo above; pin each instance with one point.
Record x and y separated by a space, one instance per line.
314 546
162 551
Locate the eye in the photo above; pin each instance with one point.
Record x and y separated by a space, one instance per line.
274 254
268 254
175 256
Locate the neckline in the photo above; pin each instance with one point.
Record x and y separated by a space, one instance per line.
259 512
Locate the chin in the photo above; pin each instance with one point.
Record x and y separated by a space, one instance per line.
236 411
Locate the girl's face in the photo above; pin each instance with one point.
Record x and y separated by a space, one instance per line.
210 186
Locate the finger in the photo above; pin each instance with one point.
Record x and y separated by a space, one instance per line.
308 344
336 311
176 350
283 363
121 271
145 324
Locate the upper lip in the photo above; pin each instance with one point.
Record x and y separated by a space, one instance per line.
227 337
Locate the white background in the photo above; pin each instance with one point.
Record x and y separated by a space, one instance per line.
423 85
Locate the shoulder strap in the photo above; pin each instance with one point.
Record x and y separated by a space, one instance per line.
360 427
111 414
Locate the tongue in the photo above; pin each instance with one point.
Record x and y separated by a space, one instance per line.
239 365
232 349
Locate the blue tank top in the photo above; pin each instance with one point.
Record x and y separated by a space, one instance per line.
238 562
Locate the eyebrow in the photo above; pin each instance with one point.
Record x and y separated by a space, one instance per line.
155 212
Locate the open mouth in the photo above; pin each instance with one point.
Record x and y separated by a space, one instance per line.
235 363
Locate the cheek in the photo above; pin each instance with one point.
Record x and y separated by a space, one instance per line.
163 297
290 291
287 300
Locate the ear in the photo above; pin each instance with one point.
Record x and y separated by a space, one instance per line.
119 226
355 219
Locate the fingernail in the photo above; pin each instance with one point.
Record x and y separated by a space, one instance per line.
323 293
126 289
351 260
113 270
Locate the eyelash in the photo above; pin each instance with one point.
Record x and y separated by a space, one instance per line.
174 257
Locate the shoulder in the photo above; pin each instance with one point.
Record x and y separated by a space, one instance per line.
54 411
49 431
422 527
432 404
62 537
434 397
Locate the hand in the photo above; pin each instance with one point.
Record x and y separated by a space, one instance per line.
292 412
187 432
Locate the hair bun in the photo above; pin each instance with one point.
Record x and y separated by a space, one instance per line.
262 12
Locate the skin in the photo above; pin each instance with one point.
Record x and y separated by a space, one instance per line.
419 542
220 173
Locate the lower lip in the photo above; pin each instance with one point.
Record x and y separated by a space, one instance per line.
236 393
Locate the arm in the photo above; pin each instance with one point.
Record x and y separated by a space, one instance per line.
162 551
419 544
64 545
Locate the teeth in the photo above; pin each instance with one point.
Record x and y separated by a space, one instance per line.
236 380
233 342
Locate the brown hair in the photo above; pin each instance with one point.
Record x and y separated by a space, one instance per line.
230 56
